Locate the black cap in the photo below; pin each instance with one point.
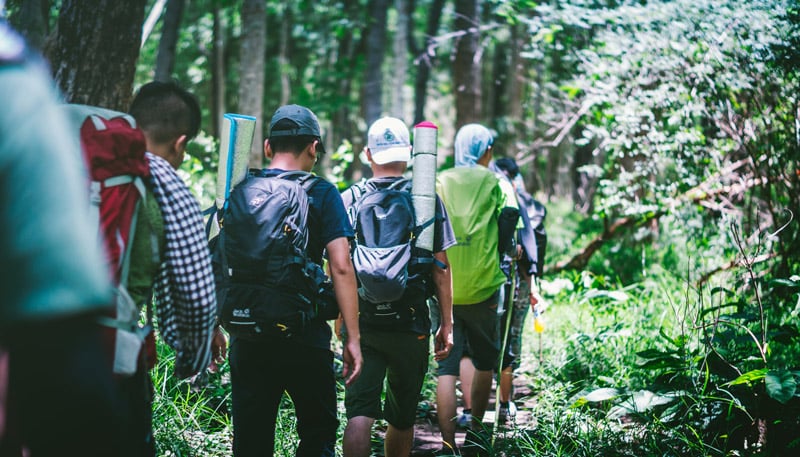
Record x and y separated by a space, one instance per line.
303 121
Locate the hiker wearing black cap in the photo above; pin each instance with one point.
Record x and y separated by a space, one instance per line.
300 361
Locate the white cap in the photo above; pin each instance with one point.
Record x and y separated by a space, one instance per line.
388 141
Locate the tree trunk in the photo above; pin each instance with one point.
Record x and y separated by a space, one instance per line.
31 21
424 60
94 53
582 183
376 49
251 83
515 88
400 67
283 55
534 181
494 96
466 67
217 71
169 38
342 119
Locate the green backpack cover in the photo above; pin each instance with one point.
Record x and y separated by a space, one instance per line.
473 199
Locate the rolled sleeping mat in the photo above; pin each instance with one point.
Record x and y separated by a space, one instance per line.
236 139
423 181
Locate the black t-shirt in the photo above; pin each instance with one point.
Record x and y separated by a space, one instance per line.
327 221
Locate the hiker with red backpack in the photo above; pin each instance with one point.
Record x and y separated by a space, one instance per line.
57 395
396 279
274 227
484 216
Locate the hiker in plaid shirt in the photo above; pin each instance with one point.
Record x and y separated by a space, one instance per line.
170 262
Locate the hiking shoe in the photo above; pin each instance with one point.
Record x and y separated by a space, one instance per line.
464 420
507 413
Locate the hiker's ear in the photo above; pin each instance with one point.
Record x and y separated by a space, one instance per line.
267 149
313 150
486 157
368 154
180 144
175 156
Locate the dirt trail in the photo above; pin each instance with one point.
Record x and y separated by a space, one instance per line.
428 439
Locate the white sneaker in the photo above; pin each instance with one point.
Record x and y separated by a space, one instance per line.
464 420
508 413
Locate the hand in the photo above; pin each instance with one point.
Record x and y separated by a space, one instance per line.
219 349
443 342
351 356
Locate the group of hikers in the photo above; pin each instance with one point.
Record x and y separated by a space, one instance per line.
293 261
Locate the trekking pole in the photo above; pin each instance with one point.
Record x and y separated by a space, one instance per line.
508 303
236 139
538 322
423 181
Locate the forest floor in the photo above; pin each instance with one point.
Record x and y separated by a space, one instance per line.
428 438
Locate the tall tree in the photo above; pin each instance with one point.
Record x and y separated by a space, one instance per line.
283 53
376 49
251 83
423 56
93 55
400 57
31 20
217 69
466 65
169 39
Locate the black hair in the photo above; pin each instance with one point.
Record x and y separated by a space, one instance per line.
508 165
295 143
165 111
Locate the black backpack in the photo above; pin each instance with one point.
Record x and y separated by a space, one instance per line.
266 283
392 273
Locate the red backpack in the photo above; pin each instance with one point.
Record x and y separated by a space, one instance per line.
114 151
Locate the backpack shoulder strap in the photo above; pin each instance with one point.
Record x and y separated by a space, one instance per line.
401 184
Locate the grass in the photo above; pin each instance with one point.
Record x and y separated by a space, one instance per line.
622 370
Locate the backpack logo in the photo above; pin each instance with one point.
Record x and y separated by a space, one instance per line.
257 201
262 248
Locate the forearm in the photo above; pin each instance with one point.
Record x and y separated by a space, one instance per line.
344 285
443 282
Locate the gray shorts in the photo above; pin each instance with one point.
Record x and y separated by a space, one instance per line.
476 326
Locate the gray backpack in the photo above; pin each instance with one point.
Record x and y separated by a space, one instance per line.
392 273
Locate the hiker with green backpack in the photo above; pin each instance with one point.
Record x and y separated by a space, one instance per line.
396 279
484 216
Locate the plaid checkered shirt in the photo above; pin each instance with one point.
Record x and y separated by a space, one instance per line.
186 304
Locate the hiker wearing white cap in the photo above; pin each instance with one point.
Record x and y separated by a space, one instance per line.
396 278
